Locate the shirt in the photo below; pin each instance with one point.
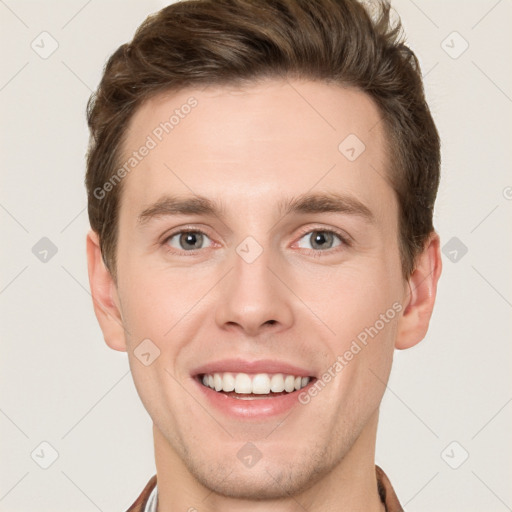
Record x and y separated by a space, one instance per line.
147 501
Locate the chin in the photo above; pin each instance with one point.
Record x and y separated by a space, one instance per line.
263 483
265 480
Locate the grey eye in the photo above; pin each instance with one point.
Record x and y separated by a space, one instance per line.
188 240
320 240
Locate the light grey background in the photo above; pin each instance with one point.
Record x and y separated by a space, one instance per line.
62 385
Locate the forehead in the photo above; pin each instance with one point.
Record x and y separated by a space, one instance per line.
271 140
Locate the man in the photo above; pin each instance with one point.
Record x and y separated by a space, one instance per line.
261 180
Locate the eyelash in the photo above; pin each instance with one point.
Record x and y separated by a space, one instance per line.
344 239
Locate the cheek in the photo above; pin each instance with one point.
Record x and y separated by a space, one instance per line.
364 350
364 315
150 304
352 297
154 385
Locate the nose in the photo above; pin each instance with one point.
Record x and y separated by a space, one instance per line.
253 300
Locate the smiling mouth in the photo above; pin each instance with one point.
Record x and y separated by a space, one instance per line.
245 386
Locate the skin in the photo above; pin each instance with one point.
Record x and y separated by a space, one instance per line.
251 148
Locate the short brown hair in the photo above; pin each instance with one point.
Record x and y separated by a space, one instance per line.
203 42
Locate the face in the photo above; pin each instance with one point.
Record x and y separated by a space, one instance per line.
256 240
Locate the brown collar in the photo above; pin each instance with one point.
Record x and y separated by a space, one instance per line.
386 493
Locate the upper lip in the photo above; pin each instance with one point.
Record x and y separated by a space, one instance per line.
244 366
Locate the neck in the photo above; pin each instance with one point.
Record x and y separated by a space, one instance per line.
350 485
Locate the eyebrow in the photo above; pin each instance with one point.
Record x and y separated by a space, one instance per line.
173 205
326 203
310 203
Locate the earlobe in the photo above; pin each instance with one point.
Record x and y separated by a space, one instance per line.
104 296
413 325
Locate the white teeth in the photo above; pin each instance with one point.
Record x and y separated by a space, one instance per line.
289 383
243 383
277 383
228 382
259 384
217 381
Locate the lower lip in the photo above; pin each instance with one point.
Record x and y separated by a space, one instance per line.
257 408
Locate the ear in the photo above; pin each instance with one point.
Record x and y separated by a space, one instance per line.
104 295
422 283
